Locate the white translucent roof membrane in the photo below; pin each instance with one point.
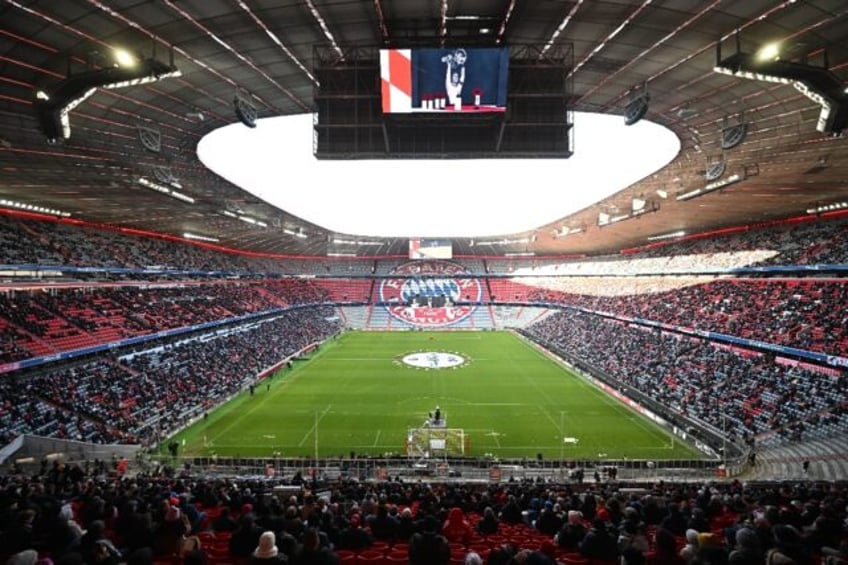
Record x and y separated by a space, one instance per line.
434 198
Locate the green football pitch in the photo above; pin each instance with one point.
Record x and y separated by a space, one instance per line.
358 394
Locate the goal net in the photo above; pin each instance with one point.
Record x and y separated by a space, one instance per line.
436 443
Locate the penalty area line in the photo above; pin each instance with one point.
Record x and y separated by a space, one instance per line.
314 425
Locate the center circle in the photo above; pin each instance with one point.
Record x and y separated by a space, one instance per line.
433 360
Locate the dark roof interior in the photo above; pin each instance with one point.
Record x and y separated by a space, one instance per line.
266 48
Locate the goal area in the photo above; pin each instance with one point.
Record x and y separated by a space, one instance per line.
436 443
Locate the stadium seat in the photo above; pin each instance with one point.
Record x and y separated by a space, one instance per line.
369 557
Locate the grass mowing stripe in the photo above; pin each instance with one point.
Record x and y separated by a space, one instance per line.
620 407
507 387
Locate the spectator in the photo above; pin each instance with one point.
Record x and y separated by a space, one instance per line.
266 551
456 528
488 524
598 543
429 548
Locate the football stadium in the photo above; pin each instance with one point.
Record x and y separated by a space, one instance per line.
424 282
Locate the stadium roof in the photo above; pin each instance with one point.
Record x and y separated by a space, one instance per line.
266 49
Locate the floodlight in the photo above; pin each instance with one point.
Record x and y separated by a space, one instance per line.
819 84
189 235
710 187
124 58
769 52
53 105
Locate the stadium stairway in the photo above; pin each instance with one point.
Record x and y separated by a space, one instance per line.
380 319
828 461
355 317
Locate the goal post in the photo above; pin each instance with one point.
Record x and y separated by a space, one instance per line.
436 443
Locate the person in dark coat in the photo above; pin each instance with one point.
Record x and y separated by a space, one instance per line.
429 548
598 543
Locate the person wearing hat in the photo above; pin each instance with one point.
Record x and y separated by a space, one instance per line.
266 551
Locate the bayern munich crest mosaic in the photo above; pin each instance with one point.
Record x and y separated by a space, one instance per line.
430 293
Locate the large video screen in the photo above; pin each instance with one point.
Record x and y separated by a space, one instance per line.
444 80
430 249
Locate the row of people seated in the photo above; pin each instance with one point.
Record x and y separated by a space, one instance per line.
803 314
799 313
28 241
744 393
69 319
134 398
812 242
74 514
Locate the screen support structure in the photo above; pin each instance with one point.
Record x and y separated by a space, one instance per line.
349 122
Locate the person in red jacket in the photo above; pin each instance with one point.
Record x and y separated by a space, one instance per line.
456 529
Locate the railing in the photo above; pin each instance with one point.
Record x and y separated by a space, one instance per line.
450 469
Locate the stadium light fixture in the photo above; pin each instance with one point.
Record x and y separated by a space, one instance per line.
336 254
507 241
188 235
819 84
671 235
53 105
296 233
124 58
165 190
566 231
710 187
827 208
34 208
244 218
769 52
520 254
605 219
360 242
252 221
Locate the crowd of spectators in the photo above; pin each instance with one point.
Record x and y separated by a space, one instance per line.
817 242
29 414
137 397
806 243
65 319
27 241
744 393
804 314
72 514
